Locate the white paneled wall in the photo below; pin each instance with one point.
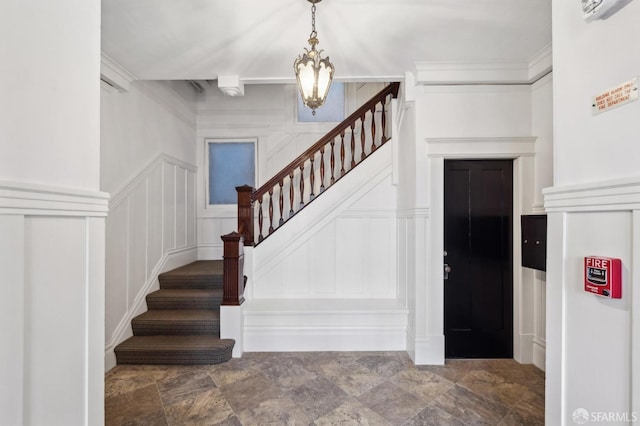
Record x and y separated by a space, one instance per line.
52 306
353 256
151 228
593 342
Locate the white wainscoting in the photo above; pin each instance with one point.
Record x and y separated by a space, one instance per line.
210 229
52 306
593 342
151 228
353 256
272 325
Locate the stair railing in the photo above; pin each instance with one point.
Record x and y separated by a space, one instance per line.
297 184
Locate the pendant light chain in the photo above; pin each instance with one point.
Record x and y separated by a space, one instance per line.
314 33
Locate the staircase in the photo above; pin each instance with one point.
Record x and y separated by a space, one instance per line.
182 324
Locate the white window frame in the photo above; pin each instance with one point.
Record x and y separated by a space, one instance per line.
225 209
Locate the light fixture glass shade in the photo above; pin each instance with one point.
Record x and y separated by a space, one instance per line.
314 76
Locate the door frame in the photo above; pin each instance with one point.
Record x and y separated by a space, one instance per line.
430 348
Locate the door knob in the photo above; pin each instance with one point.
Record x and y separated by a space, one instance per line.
447 269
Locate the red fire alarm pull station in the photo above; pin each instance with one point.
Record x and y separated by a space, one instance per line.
603 276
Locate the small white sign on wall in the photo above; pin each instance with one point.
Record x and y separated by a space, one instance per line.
616 96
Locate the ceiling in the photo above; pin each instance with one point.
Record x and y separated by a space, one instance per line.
367 40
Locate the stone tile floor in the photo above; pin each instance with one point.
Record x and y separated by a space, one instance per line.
327 388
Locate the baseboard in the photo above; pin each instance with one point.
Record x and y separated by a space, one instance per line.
171 260
324 325
525 353
425 350
324 339
539 353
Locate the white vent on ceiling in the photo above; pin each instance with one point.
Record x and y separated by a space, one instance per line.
199 86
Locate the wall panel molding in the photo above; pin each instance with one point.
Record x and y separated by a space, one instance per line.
321 325
43 200
125 190
610 195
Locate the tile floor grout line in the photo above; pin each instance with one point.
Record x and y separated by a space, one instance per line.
389 373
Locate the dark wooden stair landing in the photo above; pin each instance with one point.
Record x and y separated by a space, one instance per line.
182 325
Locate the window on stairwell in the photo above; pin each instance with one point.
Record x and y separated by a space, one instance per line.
231 163
331 111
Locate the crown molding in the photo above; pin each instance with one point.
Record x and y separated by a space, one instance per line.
478 73
541 63
446 73
114 74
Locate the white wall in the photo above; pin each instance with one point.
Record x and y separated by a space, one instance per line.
49 121
148 152
152 118
51 214
590 58
593 343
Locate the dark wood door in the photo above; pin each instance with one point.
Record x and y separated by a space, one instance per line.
478 228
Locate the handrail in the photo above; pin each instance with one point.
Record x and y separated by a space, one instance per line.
391 89
300 185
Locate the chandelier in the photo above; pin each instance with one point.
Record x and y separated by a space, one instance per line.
313 73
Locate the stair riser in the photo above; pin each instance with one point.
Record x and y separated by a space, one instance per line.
156 328
213 304
173 358
209 284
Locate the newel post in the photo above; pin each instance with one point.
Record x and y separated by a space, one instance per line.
233 256
245 213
